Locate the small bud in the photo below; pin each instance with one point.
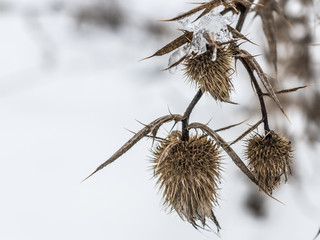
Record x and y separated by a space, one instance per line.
188 173
212 76
269 158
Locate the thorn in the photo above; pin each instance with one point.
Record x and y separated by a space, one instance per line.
234 103
141 123
195 3
257 55
173 126
89 176
169 111
167 20
287 117
209 121
130 131
146 58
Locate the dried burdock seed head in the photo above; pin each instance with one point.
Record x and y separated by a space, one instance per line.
212 76
269 158
188 173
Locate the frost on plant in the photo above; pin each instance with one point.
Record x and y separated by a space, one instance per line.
213 26
187 162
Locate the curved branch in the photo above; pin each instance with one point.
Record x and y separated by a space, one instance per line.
186 115
259 93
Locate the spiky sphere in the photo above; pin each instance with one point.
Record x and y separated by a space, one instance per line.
212 76
269 158
188 173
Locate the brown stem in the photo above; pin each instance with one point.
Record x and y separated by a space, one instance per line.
259 93
185 132
185 121
243 14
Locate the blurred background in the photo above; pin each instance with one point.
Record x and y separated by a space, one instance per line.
71 84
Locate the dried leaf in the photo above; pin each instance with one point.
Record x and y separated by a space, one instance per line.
176 63
265 10
228 127
254 66
178 42
288 90
236 34
136 138
208 7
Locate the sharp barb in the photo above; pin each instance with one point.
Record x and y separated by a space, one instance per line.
141 123
146 58
130 131
209 121
176 63
288 90
246 132
188 13
236 34
90 175
176 43
228 127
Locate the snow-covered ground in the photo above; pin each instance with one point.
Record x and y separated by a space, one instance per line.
67 95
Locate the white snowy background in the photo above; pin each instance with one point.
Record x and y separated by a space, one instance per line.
68 92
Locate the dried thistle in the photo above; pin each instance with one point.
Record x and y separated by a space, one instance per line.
189 173
212 76
269 158
188 167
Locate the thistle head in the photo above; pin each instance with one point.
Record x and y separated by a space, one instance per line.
188 172
269 158
212 76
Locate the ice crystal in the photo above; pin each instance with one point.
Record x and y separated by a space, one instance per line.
212 24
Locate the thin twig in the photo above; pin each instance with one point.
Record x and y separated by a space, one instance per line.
287 90
246 132
243 15
185 120
228 127
259 93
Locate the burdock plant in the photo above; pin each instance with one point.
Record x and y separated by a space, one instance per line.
187 164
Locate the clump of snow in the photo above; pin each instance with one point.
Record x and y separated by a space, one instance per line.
212 24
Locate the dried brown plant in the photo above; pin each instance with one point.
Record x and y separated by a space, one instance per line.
187 166
189 173
269 159
213 77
